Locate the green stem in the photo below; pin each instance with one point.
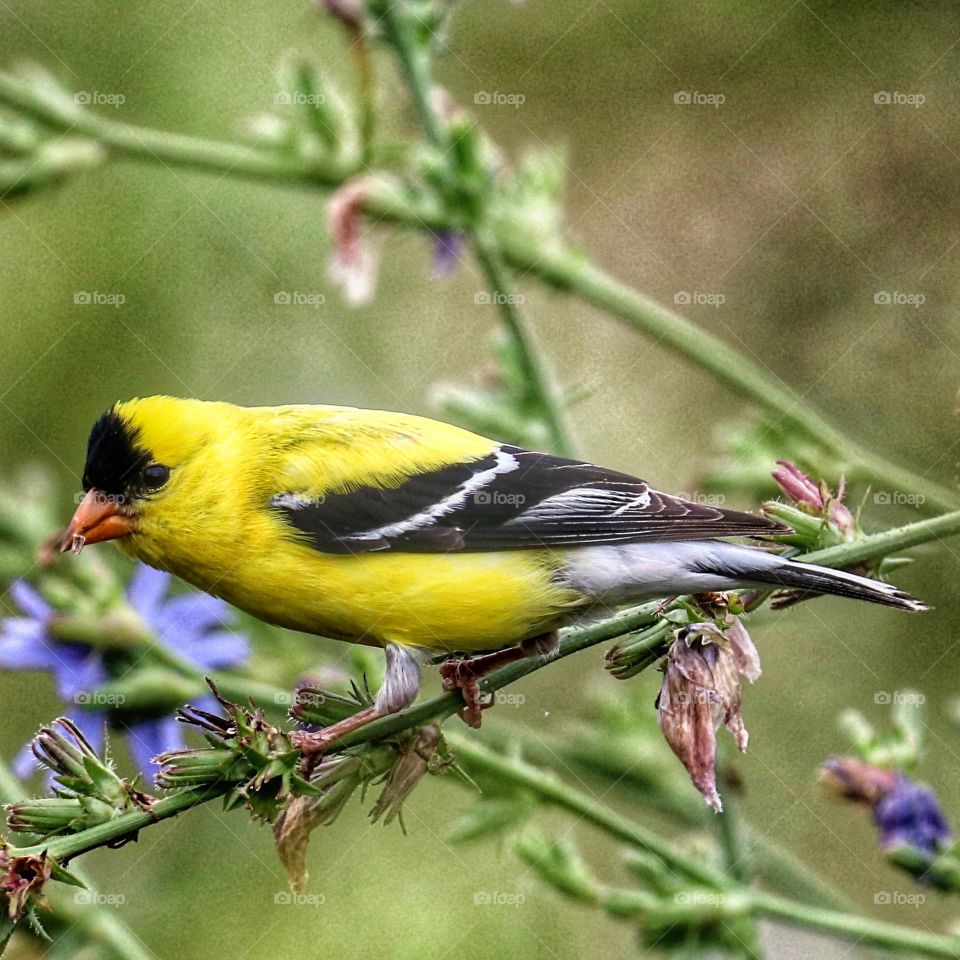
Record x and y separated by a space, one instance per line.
414 59
157 146
551 790
441 706
565 269
856 928
366 92
537 379
771 863
730 828
572 641
99 923
63 848
779 868
878 545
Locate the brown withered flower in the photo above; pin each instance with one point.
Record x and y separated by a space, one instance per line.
700 691
22 880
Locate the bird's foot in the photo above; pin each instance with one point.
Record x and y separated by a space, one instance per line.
465 674
313 744
462 675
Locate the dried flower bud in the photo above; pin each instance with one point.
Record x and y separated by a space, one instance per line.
353 265
857 780
701 690
22 880
817 500
423 753
797 485
88 789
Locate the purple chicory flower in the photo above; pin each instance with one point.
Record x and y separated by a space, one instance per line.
910 815
701 690
193 625
447 247
907 814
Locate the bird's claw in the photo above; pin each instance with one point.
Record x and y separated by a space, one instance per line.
459 675
312 746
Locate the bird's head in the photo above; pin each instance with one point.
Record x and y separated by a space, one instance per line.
146 463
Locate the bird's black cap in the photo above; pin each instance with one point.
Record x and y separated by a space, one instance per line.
114 457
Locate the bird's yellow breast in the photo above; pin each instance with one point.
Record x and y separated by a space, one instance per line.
453 601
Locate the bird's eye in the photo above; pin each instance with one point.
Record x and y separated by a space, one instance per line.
155 475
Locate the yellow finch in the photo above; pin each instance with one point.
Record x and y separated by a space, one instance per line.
406 533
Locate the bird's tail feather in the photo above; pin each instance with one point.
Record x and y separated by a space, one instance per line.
768 569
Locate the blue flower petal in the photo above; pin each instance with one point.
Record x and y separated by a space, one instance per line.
29 601
910 815
79 670
23 646
150 738
25 764
146 591
191 614
218 650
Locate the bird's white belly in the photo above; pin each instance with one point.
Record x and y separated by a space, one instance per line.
621 573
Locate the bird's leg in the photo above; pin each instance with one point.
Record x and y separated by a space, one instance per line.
401 684
464 675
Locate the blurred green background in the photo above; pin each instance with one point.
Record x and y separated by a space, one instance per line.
799 199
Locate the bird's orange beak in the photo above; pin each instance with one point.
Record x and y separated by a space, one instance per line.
99 517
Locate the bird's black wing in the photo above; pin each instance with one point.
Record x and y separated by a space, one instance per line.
511 499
